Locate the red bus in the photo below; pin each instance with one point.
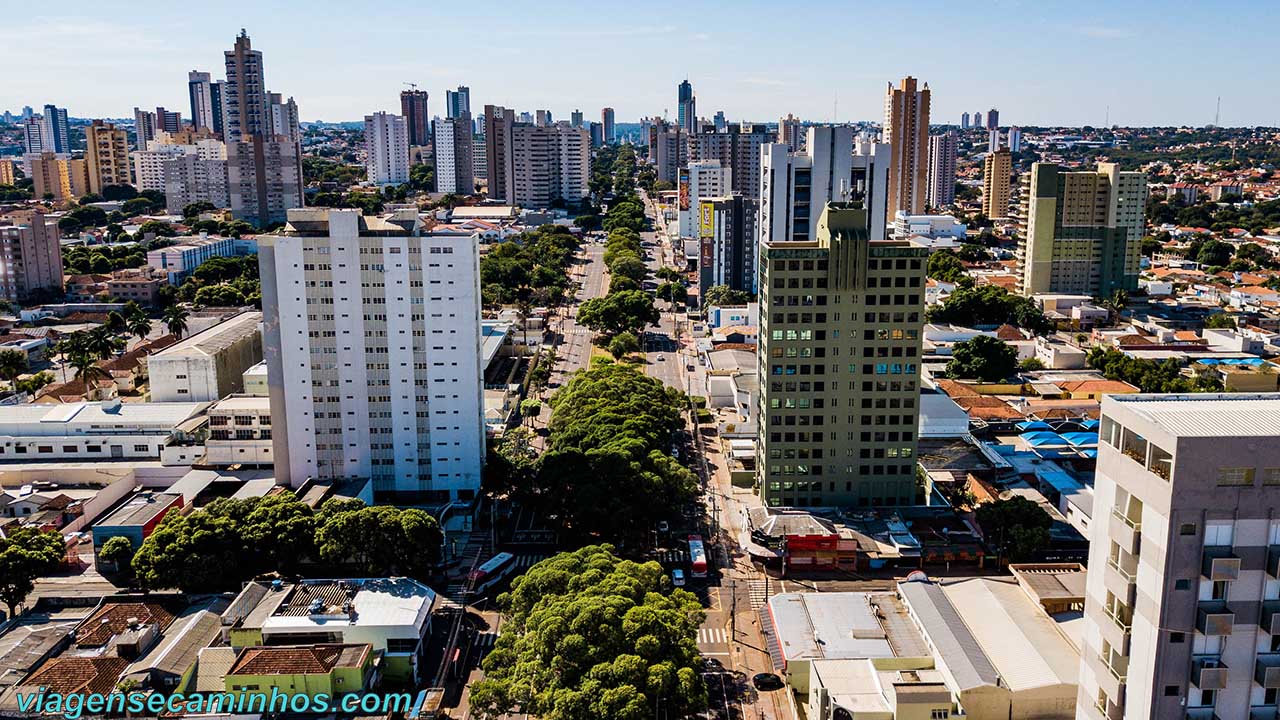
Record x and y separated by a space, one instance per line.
493 570
697 557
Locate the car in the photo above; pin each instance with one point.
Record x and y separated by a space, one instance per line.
677 577
661 357
767 681
664 526
690 367
712 665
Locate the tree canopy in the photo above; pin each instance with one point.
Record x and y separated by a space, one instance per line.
25 554
722 295
623 311
983 358
989 305
1149 376
593 636
532 266
1016 528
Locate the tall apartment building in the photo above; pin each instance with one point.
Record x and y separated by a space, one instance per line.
169 121
58 175
458 102
30 255
499 122
794 186
575 118
54 129
738 148
1083 230
610 132
106 155
33 136
906 130
1015 139
941 190
1181 600
997 175
790 133
283 116
964 121
454 155
478 150
726 235
668 151
200 91
841 319
549 163
144 128
993 119
386 144
264 168
372 341
413 108
702 179
597 134
196 177
686 108
977 119
7 174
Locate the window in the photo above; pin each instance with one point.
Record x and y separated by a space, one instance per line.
1271 476
1187 529
1232 476
1177 637
1171 690
401 645
939 714
1183 584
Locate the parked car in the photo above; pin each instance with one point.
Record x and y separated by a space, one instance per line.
677 577
767 681
664 526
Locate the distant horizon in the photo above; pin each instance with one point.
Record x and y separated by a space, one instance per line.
1092 63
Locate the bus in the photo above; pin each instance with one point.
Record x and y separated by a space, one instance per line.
697 557
492 571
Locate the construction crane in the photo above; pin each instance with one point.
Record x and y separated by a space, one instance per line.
413 86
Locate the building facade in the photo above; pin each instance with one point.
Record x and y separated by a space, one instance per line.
726 235
686 108
703 179
941 190
386 142
58 176
458 101
610 133
737 148
997 174
499 123
906 131
1083 230
31 253
413 109
200 92
454 155
372 340
841 320
1182 587
107 155
209 365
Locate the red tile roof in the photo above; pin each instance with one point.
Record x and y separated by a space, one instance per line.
71 674
112 618
300 660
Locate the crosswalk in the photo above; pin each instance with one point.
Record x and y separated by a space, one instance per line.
713 636
672 558
759 593
485 640
525 561
458 586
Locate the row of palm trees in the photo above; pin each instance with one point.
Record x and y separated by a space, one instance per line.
83 350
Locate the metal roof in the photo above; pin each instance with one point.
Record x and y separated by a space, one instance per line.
954 645
828 625
216 338
1208 414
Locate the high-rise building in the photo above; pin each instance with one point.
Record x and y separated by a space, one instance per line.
283 117
386 142
906 130
609 132
964 121
200 90
1181 597
374 374
993 140
1015 139
542 118
719 122
55 131
58 175
795 186
575 118
454 155
458 101
264 168
668 151
790 134
841 319
941 190
30 254
168 121
997 176
144 128
686 108
413 108
107 155
702 179
498 125
549 163
199 176
977 120
8 176
218 105
33 137
993 119
478 156
738 148
597 134
726 235
1083 230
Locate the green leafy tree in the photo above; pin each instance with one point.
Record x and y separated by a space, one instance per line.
623 344
945 266
118 551
119 192
630 266
1217 320
985 358
26 553
33 383
990 305
672 292
530 408
1016 528
723 295
12 364
592 636
382 541
175 319
625 311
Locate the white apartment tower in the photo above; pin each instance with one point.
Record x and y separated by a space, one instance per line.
373 348
200 89
454 155
386 142
1182 597
704 179
940 190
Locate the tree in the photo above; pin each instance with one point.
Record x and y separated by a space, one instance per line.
945 266
26 553
219 296
33 383
193 210
175 318
669 274
381 541
623 344
624 311
1031 364
1149 376
1214 253
985 358
119 192
136 321
723 295
631 267
592 636
1016 528
971 252
672 292
12 364
1216 320
1116 303
118 551
990 305
530 408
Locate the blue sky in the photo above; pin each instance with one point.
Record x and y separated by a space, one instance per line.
1038 61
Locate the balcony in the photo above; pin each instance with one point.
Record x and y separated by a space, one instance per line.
1213 618
1208 672
1269 617
1264 712
1124 531
1202 713
1273 561
1109 710
1266 670
1220 563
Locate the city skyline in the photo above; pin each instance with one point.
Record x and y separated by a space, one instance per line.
154 55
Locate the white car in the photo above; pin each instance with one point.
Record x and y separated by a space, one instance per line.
661 357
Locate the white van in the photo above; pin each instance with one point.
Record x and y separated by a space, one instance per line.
677 577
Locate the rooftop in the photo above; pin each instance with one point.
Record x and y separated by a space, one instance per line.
379 602
216 338
302 660
839 625
76 674
139 509
91 417
114 617
1207 414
